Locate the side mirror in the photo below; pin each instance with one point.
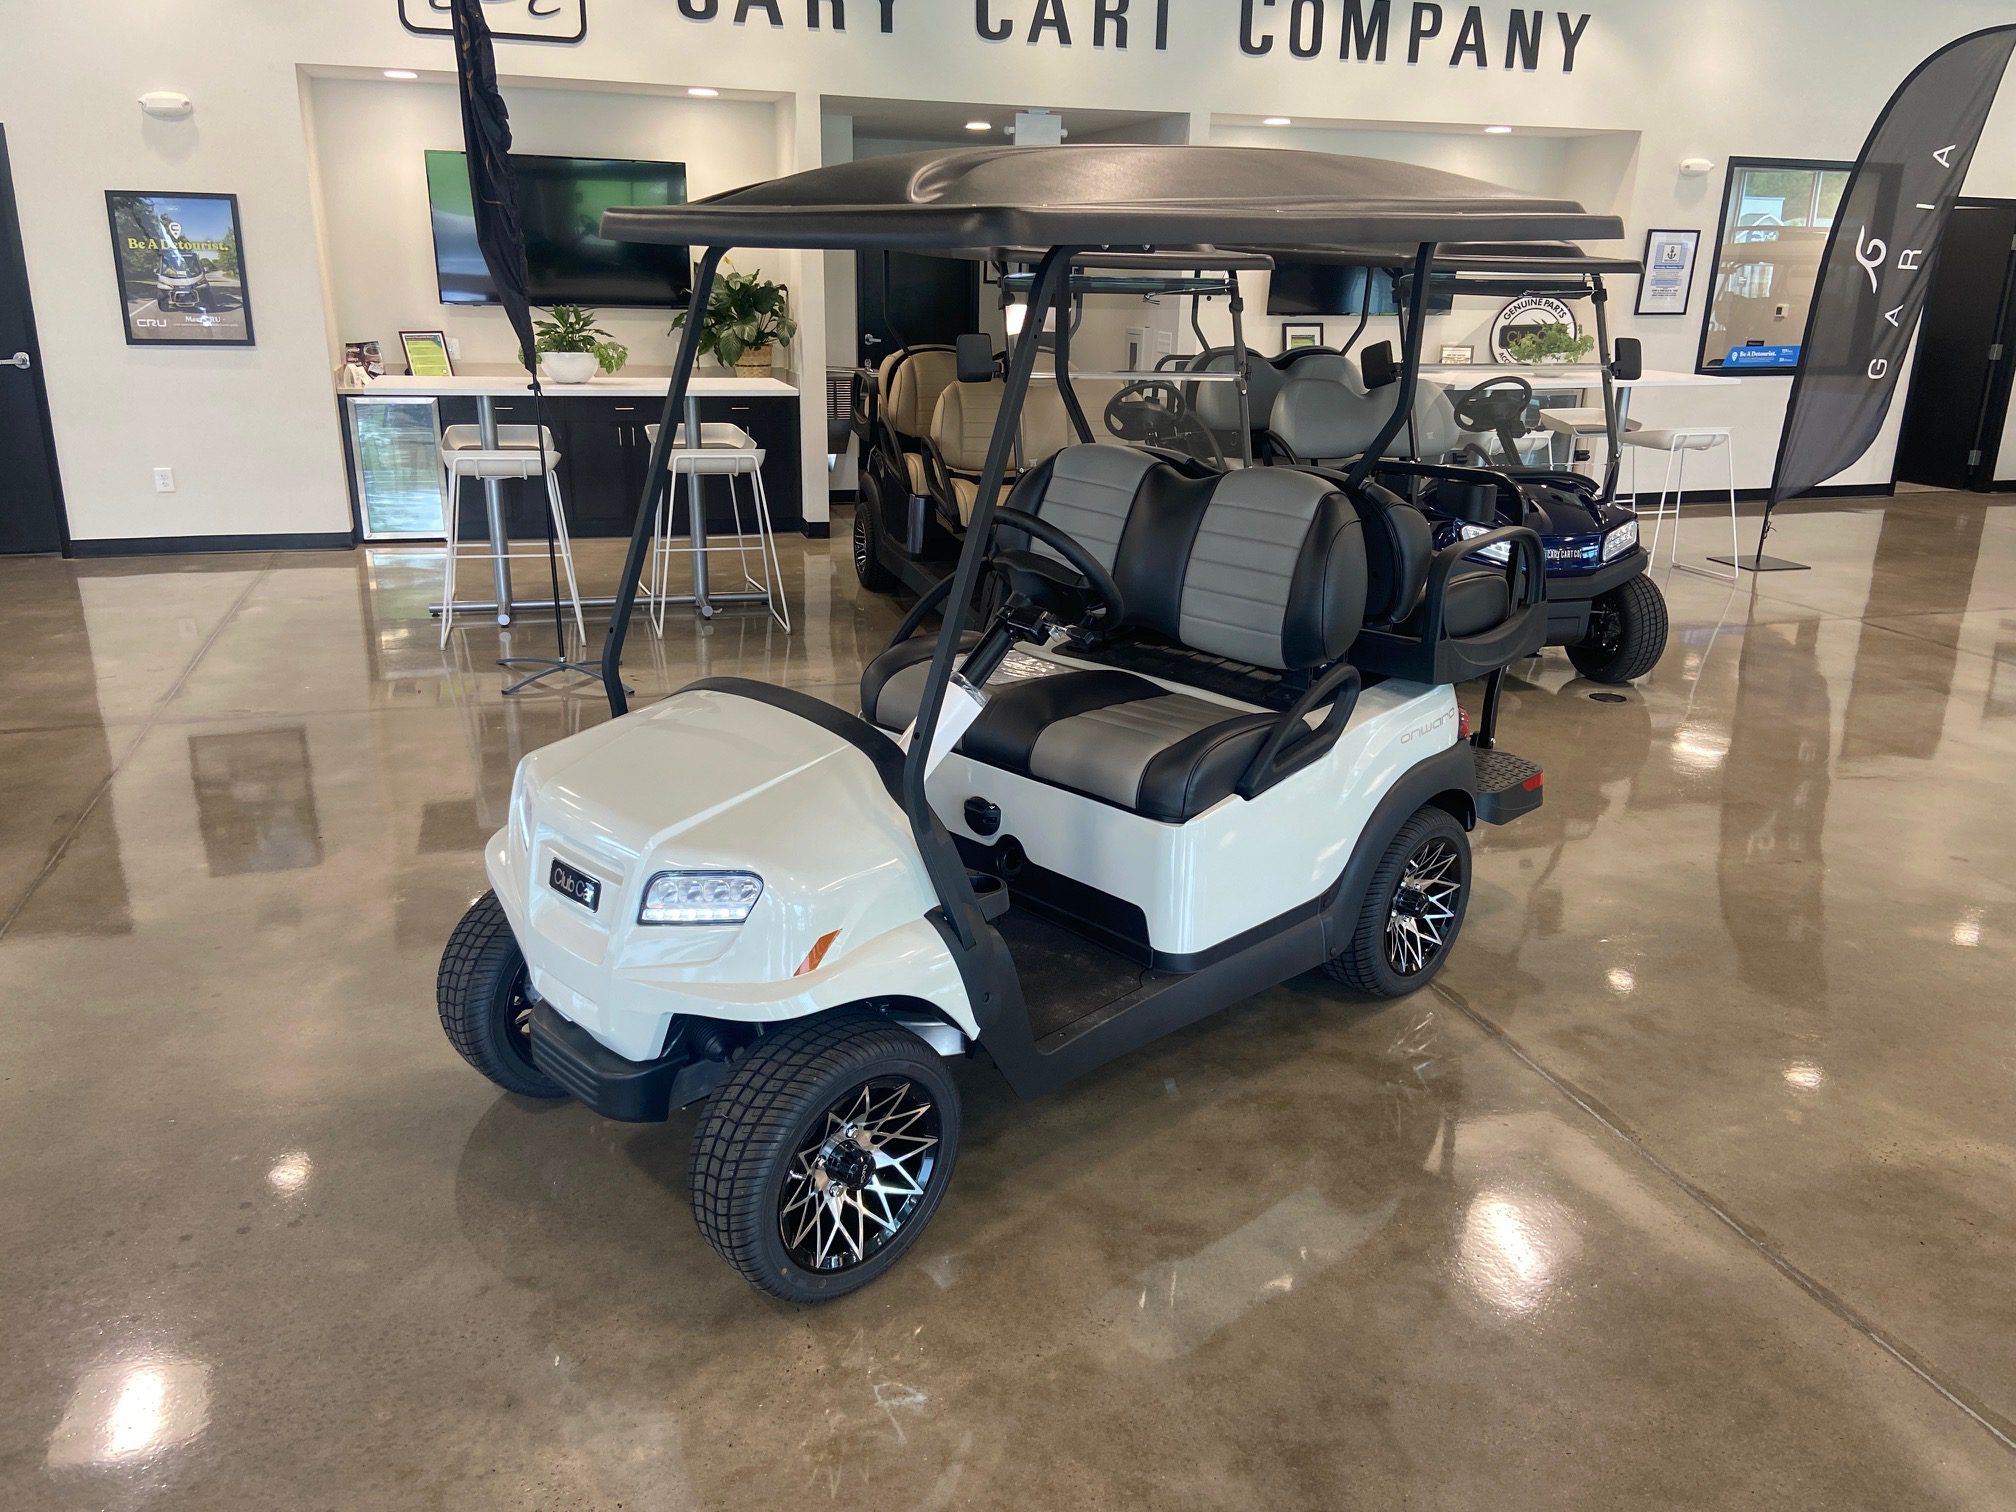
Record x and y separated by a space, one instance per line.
1376 364
1628 361
974 356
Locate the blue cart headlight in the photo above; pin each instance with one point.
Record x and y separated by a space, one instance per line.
1497 553
700 897
1620 540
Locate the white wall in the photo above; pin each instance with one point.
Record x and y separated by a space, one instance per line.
253 435
371 134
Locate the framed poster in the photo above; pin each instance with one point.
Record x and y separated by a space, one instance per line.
1297 334
427 354
1458 356
181 265
1668 283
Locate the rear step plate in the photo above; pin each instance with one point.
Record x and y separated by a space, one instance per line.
1507 786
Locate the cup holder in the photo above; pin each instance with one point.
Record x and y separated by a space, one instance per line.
991 892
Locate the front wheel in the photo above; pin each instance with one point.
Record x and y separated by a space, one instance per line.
868 564
486 1007
1627 633
1413 909
824 1154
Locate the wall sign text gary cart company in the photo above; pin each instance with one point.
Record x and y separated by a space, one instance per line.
1351 31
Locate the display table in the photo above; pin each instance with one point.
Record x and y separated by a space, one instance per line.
603 449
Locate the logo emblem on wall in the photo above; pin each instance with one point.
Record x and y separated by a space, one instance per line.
510 20
1528 317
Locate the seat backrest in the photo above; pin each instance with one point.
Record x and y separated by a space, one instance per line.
1262 565
1217 404
912 380
963 424
1399 547
1325 413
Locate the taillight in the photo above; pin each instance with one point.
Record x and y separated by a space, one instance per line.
1462 723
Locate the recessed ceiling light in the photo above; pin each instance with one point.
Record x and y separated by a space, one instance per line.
1277 121
704 94
400 73
979 125
1498 131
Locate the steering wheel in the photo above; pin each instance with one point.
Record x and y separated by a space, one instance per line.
1070 592
1153 412
1497 405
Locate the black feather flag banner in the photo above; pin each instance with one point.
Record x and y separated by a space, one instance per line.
1876 270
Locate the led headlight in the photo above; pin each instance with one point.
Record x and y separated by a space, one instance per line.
700 897
1497 553
1620 540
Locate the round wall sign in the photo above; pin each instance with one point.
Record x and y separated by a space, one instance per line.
1525 317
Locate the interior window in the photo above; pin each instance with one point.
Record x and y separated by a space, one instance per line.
1775 219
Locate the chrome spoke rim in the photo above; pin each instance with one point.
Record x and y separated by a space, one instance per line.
859 1175
520 1010
1423 912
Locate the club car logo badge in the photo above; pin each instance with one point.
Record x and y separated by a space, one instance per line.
1528 317
578 885
510 20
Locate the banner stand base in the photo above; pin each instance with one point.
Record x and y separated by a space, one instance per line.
1762 563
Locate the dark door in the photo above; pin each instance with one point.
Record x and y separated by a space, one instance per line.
925 300
1966 353
31 497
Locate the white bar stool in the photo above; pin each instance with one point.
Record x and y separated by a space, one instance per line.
1676 444
725 451
1581 423
522 451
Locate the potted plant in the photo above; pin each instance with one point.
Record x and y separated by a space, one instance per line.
1550 342
572 346
746 317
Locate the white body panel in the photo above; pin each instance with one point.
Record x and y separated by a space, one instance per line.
712 780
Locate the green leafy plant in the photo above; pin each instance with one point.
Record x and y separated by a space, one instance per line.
1549 343
746 313
573 329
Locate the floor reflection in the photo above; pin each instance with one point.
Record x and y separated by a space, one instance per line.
255 801
125 1414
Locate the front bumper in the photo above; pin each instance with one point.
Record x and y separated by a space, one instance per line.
626 1090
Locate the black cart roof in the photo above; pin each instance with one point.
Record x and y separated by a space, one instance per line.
1516 258
1109 195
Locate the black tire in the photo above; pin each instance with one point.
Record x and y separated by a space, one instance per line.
771 1111
869 567
1627 633
480 990
1376 964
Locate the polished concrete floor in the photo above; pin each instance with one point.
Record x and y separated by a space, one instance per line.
1692 1183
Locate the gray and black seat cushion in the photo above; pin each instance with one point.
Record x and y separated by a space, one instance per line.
1265 567
1325 414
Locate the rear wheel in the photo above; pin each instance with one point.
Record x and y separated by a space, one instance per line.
868 565
1627 633
822 1157
1413 909
482 993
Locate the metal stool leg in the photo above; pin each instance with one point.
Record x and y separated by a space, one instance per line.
773 573
566 549
1735 545
454 543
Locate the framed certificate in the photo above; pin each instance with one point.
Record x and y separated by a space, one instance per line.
427 354
1668 282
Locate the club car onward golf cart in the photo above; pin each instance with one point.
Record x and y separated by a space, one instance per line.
924 415
1219 747
1601 605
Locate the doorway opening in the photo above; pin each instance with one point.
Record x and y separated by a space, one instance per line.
1956 431
31 495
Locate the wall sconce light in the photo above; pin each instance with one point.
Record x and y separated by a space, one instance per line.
167 105
1696 167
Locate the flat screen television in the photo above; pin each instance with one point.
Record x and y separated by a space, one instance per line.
1305 288
560 202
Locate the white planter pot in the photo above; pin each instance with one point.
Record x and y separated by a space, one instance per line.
570 367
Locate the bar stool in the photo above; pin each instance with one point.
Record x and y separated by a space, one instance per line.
725 451
1676 444
1579 424
522 451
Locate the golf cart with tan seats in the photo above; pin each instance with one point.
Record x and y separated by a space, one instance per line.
1205 739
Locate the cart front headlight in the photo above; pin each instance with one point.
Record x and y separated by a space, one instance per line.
1620 540
1497 553
700 897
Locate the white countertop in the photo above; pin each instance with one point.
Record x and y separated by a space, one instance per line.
1576 375
625 385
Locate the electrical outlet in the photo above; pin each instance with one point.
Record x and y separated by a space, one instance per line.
164 480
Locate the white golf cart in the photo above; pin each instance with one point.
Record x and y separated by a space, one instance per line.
1206 741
